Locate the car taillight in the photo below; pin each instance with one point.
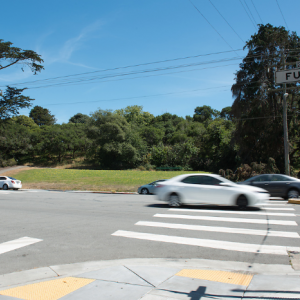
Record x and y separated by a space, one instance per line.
12 181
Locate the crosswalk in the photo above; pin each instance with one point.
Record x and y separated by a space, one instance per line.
221 228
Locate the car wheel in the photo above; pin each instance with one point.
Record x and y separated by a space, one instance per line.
174 200
144 191
242 202
293 194
5 187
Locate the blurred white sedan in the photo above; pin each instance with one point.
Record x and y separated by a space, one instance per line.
9 183
209 189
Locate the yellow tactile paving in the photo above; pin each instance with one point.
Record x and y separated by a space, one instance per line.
47 290
219 276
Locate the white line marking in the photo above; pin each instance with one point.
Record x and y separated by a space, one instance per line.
278 208
272 204
236 220
286 234
233 212
18 243
242 247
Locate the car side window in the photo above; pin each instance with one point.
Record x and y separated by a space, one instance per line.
207 180
261 178
280 178
191 180
2 178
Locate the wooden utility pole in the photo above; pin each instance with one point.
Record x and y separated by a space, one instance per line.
285 127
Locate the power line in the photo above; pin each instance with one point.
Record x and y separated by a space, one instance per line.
153 95
91 80
250 12
226 21
247 14
211 25
257 12
282 14
131 66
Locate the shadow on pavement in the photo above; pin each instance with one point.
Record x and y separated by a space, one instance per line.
199 207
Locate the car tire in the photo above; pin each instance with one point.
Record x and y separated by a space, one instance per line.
242 202
144 191
293 194
174 200
5 187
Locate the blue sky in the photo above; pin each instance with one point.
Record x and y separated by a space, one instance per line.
81 37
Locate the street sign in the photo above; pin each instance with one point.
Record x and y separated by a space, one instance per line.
287 76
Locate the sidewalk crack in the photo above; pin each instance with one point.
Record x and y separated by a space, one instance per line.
139 276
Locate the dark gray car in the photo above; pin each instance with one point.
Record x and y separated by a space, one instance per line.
277 185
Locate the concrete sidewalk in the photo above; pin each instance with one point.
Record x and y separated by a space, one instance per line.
153 279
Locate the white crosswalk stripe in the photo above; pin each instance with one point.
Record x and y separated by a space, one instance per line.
18 243
287 234
263 213
235 220
263 219
243 247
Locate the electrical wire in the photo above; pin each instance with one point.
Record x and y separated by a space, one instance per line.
247 14
132 66
250 12
226 21
282 14
210 24
257 11
68 81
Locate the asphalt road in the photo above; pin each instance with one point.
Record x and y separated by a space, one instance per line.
79 227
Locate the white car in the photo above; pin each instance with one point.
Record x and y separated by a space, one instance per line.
10 183
209 189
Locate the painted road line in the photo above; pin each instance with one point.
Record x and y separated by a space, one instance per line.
233 212
231 246
286 234
236 220
18 243
278 208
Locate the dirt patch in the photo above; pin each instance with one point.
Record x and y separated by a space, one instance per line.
12 173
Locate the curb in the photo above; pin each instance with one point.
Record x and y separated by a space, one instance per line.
294 201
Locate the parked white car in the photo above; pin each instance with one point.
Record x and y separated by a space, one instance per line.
209 189
10 183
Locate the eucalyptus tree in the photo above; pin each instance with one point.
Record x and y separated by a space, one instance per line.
257 107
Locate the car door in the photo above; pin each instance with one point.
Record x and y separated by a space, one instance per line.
263 181
280 184
191 191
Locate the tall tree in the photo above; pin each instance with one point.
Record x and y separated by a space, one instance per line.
257 108
42 116
12 99
9 56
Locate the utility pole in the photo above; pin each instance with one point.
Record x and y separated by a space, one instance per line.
285 127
